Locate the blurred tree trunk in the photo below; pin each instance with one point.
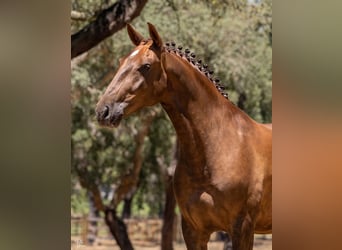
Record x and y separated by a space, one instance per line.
107 22
118 229
129 181
126 188
170 204
128 185
168 217
93 224
127 209
116 226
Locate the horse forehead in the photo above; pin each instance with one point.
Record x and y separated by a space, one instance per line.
139 55
138 52
134 53
131 59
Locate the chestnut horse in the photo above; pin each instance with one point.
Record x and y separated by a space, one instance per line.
223 180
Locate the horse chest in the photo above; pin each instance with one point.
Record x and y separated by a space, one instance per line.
200 205
200 209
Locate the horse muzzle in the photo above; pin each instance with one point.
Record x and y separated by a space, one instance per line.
110 115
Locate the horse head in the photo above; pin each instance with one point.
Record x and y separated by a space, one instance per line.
140 80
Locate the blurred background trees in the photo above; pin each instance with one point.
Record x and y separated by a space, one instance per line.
233 37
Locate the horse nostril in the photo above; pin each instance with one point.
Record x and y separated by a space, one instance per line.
105 111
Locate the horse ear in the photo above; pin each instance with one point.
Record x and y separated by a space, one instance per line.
134 35
157 41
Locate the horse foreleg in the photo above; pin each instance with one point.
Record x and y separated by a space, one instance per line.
194 239
243 233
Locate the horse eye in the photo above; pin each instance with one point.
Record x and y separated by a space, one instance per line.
145 68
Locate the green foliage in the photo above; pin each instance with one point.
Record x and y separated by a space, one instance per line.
79 204
235 42
233 37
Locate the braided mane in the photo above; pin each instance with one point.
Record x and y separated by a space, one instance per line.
202 67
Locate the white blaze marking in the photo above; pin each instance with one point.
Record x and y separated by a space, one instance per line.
134 53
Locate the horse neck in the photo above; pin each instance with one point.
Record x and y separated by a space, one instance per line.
190 92
200 114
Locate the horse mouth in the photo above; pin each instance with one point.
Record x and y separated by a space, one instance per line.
114 121
110 116
111 121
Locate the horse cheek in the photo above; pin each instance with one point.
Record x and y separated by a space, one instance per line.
158 88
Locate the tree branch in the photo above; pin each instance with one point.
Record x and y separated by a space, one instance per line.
108 22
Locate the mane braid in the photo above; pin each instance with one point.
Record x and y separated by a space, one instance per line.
203 68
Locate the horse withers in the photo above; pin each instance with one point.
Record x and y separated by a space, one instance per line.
223 180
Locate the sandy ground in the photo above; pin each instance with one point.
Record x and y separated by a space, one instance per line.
260 243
